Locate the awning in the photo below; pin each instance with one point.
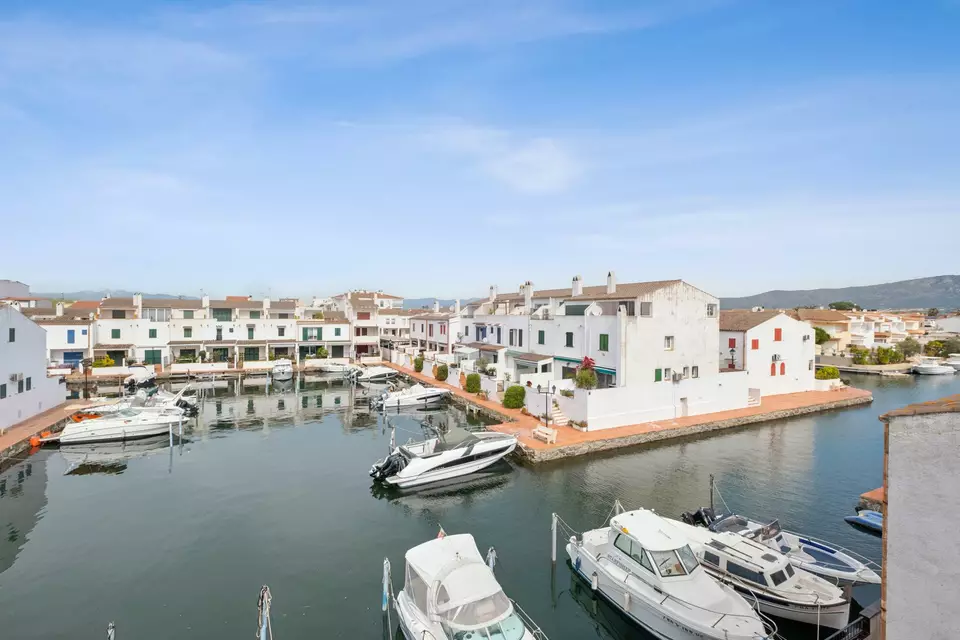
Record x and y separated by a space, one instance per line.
465 350
604 370
529 357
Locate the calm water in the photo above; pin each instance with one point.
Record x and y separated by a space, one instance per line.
272 488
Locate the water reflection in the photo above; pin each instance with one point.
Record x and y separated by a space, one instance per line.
23 498
439 496
111 458
609 621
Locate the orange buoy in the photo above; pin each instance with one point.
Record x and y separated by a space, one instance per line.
34 441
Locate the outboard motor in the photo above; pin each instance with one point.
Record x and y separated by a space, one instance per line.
389 466
702 517
190 410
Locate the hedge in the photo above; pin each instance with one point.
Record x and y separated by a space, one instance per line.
473 383
514 396
827 373
442 372
418 364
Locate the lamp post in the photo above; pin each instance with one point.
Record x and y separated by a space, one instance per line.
548 392
733 361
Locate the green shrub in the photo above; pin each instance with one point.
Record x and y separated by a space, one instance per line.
950 345
322 352
105 361
418 364
896 355
861 355
514 396
882 355
827 373
933 348
822 335
566 393
909 347
586 379
473 383
442 372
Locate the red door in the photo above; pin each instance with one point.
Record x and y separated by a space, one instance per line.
783 368
773 368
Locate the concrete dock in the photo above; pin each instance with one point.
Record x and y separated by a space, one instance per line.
572 442
16 439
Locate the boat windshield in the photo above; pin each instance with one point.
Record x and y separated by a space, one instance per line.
455 438
766 532
510 628
669 563
490 617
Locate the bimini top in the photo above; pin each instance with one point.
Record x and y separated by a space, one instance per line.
650 530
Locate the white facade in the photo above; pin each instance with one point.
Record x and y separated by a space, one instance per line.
25 389
69 341
777 353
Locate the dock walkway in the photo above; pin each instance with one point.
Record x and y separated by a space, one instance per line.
16 439
572 442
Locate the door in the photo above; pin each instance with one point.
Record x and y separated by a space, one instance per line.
152 356
72 358
117 357
337 351
220 354
251 354
219 334
684 408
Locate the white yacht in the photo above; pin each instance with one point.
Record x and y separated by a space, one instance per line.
758 572
333 367
449 593
123 424
456 453
413 396
953 361
932 367
816 556
644 565
282 369
140 376
372 374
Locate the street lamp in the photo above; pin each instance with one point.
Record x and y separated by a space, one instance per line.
546 402
733 361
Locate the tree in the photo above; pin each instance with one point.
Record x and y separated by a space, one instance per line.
586 379
910 347
322 352
933 312
933 348
821 335
842 305
950 345
514 397
860 355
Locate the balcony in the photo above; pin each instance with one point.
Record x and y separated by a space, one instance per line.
368 339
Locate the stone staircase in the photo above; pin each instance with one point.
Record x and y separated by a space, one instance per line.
557 417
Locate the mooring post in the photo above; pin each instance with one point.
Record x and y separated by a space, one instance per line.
180 431
553 539
170 431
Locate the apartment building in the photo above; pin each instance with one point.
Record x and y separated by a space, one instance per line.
328 330
437 330
775 350
362 309
842 331
25 389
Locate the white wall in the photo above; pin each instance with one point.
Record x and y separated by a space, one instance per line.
57 339
200 367
796 356
725 341
26 356
950 324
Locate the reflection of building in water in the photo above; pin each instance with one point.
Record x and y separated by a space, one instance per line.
23 495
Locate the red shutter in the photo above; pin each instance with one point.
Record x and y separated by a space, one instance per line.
732 343
783 368
773 368
777 335
754 344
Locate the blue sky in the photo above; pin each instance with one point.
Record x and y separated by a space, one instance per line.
433 147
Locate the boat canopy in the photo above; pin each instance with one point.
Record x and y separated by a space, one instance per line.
650 530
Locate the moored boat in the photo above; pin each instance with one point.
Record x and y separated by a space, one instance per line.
139 376
414 396
282 369
932 367
871 520
370 374
125 424
953 361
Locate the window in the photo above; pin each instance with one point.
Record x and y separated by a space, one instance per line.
223 315
188 314
363 315
668 343
657 375
746 574
809 365
156 315
519 337
633 550
284 316
778 578
188 332
711 558
114 334
686 372
251 353
711 310
668 563
29 383
19 386
695 372
570 338
118 314
336 331
667 373
151 333
646 309
783 368
430 333
83 332
604 342
3 391
71 336
512 336
249 333
754 344
443 329
773 368
281 331
731 343
789 569
541 337
12 335
777 335
254 315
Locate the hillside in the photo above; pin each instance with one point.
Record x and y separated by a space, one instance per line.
942 292
427 303
96 295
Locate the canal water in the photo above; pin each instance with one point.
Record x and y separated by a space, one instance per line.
271 487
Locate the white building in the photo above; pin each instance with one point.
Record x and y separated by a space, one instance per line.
394 324
437 330
25 389
654 345
329 330
362 308
70 335
775 350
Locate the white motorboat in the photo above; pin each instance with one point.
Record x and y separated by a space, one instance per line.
816 556
140 376
282 369
370 374
456 453
124 424
333 367
644 566
449 593
953 361
932 367
414 396
148 400
767 576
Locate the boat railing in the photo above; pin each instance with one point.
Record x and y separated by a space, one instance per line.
867 562
859 629
528 622
753 587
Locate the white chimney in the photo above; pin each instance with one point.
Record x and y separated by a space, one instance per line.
577 288
205 301
59 310
528 295
436 306
137 300
456 307
493 292
266 303
611 282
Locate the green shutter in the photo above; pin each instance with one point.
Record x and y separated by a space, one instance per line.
115 334
604 342
540 337
657 375
305 334
319 333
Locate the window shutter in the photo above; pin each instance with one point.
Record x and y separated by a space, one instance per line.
305 334
319 333
783 368
657 375
732 343
754 344
773 368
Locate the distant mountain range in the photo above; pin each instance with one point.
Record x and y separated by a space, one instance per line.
96 295
942 292
421 303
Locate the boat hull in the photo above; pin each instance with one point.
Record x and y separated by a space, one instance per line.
91 433
934 370
420 401
448 473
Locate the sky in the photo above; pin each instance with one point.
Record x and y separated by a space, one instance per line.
436 147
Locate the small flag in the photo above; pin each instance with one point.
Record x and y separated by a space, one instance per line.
442 534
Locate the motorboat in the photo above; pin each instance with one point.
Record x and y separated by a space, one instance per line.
413 396
450 593
820 558
187 403
125 424
446 455
333 367
644 565
767 576
282 369
871 520
370 374
932 367
149 400
953 361
140 376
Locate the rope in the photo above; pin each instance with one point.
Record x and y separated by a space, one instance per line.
720 495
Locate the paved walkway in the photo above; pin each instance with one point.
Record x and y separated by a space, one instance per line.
22 431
